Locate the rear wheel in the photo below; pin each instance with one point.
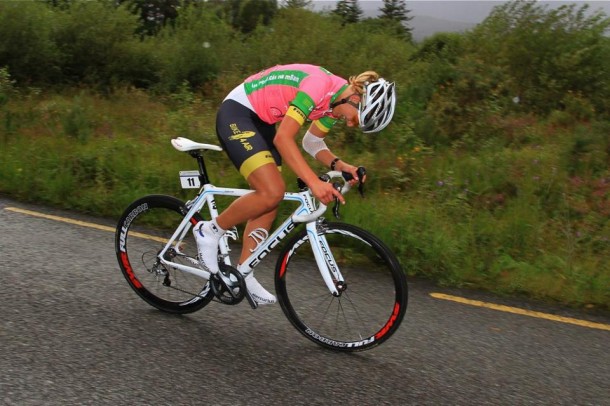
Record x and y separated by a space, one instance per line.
142 232
372 300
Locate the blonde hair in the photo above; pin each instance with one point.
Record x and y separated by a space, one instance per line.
357 82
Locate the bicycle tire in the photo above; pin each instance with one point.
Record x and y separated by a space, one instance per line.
142 231
367 312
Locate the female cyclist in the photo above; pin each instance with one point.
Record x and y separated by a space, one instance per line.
246 127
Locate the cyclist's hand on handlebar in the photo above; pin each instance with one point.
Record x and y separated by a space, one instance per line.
325 192
352 170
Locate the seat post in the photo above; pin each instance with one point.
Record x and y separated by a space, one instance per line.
203 172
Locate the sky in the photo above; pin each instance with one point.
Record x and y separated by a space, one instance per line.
470 11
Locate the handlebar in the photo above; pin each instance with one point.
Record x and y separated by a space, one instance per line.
348 176
308 218
327 177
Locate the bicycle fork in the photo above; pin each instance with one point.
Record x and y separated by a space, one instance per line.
329 270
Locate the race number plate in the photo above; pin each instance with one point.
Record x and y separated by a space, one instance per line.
189 180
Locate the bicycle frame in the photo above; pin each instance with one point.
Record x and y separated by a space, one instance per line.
163 265
304 213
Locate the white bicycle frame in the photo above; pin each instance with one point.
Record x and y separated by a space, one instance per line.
305 213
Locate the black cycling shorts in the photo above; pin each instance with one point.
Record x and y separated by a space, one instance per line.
247 139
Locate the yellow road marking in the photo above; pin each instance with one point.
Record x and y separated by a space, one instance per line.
81 223
522 312
502 308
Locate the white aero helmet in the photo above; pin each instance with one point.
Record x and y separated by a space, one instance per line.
377 105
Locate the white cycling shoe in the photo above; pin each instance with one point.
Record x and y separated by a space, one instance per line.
260 295
207 234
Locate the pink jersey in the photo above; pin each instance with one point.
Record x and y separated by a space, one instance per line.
310 88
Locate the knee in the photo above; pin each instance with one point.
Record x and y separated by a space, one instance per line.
272 194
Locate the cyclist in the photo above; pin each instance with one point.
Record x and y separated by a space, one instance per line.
246 127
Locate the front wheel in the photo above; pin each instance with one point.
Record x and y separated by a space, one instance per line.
372 300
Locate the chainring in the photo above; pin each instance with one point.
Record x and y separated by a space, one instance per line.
231 293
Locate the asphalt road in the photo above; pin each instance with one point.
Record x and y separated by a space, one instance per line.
72 332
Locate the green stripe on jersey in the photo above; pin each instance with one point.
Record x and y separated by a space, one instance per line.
327 123
303 102
280 77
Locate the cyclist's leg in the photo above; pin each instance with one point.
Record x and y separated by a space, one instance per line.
265 221
240 132
249 144
258 181
268 186
259 208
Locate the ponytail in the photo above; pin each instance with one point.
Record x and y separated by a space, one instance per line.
358 82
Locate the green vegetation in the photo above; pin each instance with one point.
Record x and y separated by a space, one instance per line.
493 175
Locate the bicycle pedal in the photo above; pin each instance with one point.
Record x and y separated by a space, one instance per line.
250 300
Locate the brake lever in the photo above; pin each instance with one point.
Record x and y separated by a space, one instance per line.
337 187
361 173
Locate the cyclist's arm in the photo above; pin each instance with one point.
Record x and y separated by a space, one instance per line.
327 157
323 154
285 142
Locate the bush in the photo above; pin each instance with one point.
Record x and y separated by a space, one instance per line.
547 53
93 37
7 86
195 49
27 46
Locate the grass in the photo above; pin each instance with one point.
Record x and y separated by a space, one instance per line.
526 214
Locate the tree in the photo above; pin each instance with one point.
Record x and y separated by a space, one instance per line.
154 14
253 12
61 4
296 3
349 11
396 11
245 15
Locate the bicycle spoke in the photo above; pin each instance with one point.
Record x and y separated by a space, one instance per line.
142 234
364 314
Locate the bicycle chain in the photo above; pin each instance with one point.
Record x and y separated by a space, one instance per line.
216 298
185 291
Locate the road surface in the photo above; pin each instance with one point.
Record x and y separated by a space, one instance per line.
73 332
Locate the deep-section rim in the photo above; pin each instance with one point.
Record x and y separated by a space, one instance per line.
162 202
400 282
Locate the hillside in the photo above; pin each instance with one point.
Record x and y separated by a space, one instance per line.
494 173
425 26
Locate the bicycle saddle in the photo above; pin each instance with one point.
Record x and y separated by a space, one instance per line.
185 145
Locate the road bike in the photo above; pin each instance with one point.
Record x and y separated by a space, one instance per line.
339 285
